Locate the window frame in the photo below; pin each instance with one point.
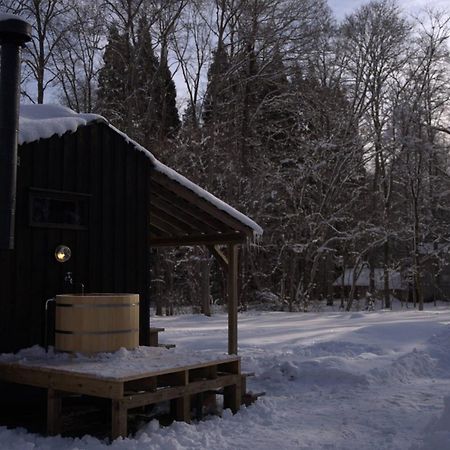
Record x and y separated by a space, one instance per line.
51 194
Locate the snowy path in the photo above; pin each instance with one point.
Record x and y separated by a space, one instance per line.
348 381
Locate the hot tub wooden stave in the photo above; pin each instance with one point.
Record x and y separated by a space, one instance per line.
95 323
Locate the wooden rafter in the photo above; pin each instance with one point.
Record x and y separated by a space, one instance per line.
203 204
164 226
185 227
205 239
156 232
187 207
174 211
219 255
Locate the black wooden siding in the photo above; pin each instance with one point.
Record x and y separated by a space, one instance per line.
112 255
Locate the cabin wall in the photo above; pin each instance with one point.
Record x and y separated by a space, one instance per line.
111 255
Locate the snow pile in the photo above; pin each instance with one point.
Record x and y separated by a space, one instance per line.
408 367
44 121
336 381
437 432
319 372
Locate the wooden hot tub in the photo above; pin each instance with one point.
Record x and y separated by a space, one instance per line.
95 323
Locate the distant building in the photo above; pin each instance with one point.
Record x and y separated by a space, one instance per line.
435 269
397 285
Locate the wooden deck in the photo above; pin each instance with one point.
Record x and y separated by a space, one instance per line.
137 384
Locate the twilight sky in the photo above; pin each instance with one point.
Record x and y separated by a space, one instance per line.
343 7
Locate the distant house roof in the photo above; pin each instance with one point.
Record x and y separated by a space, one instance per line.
44 121
395 279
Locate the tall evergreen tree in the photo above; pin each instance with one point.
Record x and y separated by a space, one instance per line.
147 107
114 80
218 89
166 99
136 91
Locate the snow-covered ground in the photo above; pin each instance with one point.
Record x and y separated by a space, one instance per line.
375 380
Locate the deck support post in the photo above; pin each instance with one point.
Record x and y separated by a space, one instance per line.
232 397
181 406
230 265
54 411
119 414
232 299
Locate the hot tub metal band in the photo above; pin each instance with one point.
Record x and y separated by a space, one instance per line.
97 332
104 305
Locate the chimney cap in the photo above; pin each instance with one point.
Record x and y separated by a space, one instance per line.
14 29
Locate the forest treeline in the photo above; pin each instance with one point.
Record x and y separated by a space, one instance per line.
333 136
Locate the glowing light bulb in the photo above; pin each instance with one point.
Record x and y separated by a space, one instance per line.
62 253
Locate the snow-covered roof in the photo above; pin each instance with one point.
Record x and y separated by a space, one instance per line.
395 279
44 121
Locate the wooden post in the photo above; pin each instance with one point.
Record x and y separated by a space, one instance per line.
205 286
181 406
54 410
119 414
232 298
230 264
232 397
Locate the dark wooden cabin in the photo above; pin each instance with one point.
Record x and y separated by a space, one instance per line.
84 184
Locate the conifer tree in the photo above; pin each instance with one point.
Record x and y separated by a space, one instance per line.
113 80
146 103
136 91
217 91
169 119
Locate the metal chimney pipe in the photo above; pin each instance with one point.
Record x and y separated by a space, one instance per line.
14 33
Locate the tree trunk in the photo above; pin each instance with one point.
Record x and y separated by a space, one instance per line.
157 286
387 295
371 260
292 283
416 262
205 289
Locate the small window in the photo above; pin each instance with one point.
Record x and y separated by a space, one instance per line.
58 209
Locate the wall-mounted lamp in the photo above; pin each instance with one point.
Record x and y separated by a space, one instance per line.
63 253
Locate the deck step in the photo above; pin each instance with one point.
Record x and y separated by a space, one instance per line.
167 345
251 397
248 374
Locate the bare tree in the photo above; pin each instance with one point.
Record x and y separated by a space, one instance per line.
375 38
191 45
421 105
77 58
51 21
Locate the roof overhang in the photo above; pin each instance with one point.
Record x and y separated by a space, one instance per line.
180 217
